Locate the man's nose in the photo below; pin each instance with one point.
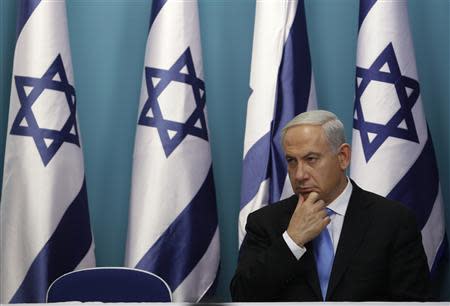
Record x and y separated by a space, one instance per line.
301 173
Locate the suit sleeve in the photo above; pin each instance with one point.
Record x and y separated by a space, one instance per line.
409 273
266 264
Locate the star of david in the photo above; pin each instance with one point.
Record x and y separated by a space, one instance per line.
404 115
179 130
47 141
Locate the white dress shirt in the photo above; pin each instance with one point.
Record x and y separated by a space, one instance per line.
339 207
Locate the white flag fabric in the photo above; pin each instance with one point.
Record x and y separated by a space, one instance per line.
393 152
173 227
45 228
282 86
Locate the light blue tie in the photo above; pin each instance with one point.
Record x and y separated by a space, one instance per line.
324 254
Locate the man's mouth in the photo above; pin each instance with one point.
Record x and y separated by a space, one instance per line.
304 189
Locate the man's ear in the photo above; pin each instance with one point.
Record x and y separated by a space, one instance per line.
344 156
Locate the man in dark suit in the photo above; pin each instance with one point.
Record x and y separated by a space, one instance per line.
332 240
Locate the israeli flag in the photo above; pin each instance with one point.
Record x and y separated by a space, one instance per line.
173 227
282 86
393 152
45 228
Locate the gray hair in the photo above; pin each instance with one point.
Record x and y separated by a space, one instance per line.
332 126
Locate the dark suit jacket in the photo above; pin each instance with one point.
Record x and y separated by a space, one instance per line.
379 256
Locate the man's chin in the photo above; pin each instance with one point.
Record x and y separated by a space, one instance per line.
305 195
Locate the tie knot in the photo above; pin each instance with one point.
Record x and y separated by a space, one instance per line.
329 212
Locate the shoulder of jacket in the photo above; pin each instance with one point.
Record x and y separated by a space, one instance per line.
287 204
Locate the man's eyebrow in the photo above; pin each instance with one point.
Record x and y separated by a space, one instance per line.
308 154
311 154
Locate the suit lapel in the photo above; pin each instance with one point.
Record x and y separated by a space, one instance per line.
356 222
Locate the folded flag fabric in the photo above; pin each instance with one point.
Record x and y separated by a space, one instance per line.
282 86
173 227
393 153
45 227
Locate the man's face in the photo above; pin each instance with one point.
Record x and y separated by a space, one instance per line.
312 164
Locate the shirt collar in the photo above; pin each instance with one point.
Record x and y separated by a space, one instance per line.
339 205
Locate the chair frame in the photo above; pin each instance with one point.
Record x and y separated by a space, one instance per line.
109 268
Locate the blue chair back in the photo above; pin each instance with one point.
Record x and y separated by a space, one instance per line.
112 284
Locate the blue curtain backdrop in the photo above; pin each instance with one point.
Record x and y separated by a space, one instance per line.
108 43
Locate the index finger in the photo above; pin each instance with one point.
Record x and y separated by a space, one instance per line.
313 197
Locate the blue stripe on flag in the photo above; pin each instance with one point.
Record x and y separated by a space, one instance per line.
157 5
442 251
255 168
364 8
186 240
419 187
293 90
64 250
25 9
